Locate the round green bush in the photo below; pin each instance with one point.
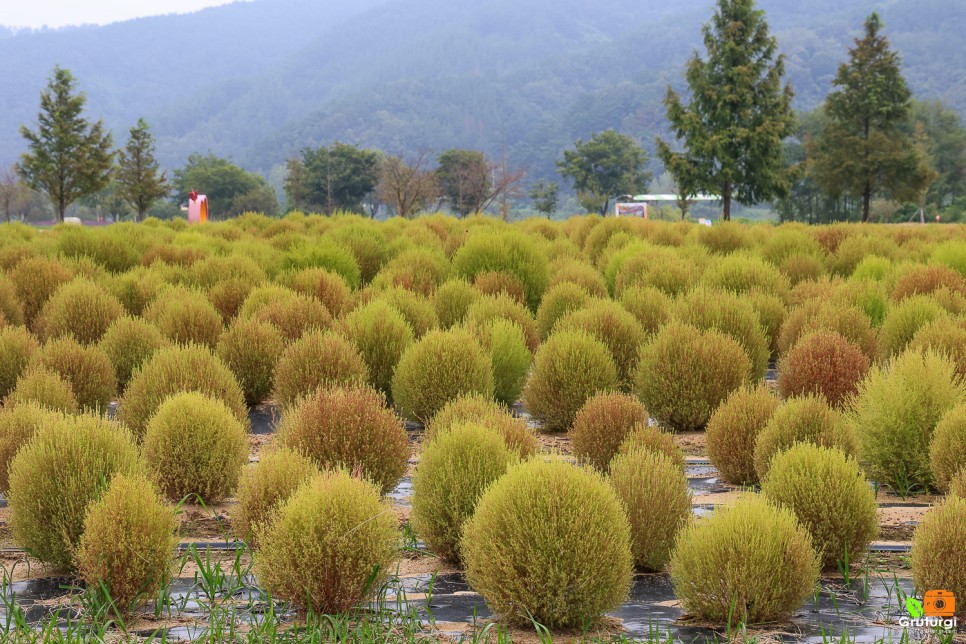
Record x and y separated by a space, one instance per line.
500 283
418 310
332 543
44 387
36 279
602 424
11 310
752 562
819 315
824 363
684 374
266 485
800 267
873 267
18 424
549 542
57 474
440 366
325 254
725 237
194 446
172 370
501 307
475 409
742 273
228 296
251 349
655 495
828 493
643 437
17 346
804 419
294 316
771 313
129 343
939 550
348 427
947 451
452 300
418 269
81 309
579 273
326 286
924 280
665 271
128 543
569 368
945 335
557 302
957 487
895 412
185 316
903 320
137 288
610 323
508 251
455 468
317 359
733 431
509 356
87 368
648 305
381 334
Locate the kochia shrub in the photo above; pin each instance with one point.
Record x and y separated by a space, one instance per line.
184 316
129 343
643 437
509 356
44 387
825 363
947 451
904 320
557 302
751 562
939 550
418 269
87 368
11 310
924 280
507 251
493 307
742 273
18 424
733 431
610 323
326 286
318 359
684 374
828 493
602 424
452 300
17 346
294 316
648 305
36 279
79 308
944 335
549 542
251 349
500 282
487 413
381 334
580 273
818 315
266 485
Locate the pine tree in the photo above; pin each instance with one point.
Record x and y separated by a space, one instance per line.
739 113
67 157
863 151
139 181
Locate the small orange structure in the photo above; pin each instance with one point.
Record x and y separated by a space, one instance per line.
197 208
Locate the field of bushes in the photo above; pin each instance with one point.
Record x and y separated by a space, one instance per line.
335 429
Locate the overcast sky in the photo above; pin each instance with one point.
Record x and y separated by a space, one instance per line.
57 13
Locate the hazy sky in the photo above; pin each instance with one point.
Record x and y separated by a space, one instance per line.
57 13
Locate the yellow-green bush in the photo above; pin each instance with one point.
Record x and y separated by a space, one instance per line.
920 279
348 427
326 286
251 349
129 343
944 335
53 478
325 254
128 543
957 487
17 346
939 550
820 315
557 302
602 424
643 437
452 300
455 468
440 366
509 251
550 542
44 387
947 451
330 544
294 316
824 363
486 412
87 368
417 269
419 311
11 310
804 419
895 412
749 563
500 283
194 446
903 320
137 288
317 359
79 308
684 374
172 370
648 305
655 495
185 316
510 358
771 314
828 493
381 334
579 273
495 307
36 279
267 484
610 323
743 273
733 431
18 424
800 267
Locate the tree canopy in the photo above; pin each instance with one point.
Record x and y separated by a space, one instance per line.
330 178
140 181
608 165
230 189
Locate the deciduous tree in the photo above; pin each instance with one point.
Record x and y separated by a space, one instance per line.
608 165
407 186
544 196
330 178
230 189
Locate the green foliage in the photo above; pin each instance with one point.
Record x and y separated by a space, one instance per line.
316 360
947 451
500 283
36 279
549 542
904 320
608 165
440 366
825 363
652 439
485 412
44 387
601 425
557 302
610 323
251 349
87 369
939 550
544 197
330 545
733 430
826 490
741 273
418 269
465 179
508 251
381 334
509 357
194 446
418 311
957 487
816 315
139 180
127 544
17 346
185 316
128 343
650 306
172 370
452 300
655 495
684 374
293 316
79 308
455 468
895 412
924 280
64 467
577 272
67 157
488 308
327 286
569 368
348 427
943 335
230 189
18 424
11 310
266 485
331 178
748 563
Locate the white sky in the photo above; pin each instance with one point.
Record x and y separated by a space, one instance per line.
58 13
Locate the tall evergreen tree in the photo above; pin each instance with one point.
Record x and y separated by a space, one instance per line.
862 151
732 130
67 158
139 180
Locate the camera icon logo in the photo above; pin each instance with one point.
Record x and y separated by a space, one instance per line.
939 603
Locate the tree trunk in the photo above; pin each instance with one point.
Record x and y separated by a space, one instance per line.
726 199
866 202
